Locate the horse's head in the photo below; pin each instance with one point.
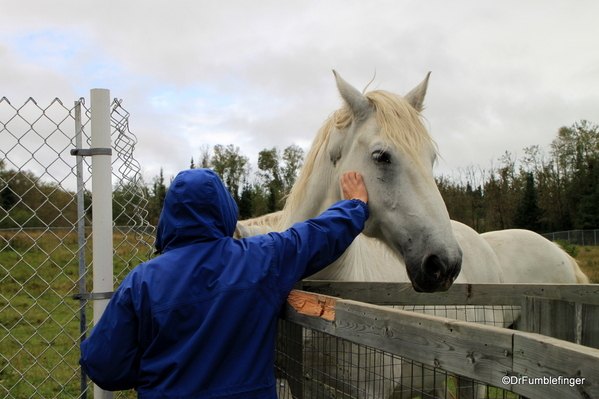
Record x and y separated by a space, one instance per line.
381 136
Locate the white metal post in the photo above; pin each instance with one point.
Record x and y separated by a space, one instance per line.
81 237
101 207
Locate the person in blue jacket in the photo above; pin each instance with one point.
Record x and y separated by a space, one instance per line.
200 320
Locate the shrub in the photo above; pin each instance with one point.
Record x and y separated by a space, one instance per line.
570 249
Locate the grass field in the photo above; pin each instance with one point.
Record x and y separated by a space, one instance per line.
588 259
39 320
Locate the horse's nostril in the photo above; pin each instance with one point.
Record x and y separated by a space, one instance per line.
434 273
434 266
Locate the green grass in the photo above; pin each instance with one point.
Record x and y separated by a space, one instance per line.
588 259
39 320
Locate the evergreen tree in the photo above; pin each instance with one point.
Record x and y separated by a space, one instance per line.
528 214
587 215
475 197
575 152
246 202
7 196
157 198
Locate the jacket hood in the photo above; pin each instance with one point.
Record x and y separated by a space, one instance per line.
197 208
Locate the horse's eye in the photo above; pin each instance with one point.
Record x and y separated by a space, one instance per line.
381 156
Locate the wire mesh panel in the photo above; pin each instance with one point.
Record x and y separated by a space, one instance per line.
40 322
490 315
578 237
314 365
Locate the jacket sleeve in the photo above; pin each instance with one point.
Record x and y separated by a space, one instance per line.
110 355
310 246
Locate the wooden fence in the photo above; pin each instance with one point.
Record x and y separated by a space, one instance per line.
529 364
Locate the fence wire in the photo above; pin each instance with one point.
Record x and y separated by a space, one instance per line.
577 237
40 250
314 365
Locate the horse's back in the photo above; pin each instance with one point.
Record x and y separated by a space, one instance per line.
528 257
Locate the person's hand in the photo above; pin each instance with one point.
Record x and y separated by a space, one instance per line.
353 186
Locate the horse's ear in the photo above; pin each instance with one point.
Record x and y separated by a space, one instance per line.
416 96
358 103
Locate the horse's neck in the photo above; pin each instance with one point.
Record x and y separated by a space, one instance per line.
315 198
305 212
367 259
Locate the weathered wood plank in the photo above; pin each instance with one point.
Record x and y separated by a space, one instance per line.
571 321
539 356
383 293
552 317
313 305
476 351
590 326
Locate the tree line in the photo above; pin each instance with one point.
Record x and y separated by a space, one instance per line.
545 190
263 193
27 201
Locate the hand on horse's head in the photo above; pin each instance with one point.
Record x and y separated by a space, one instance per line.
353 186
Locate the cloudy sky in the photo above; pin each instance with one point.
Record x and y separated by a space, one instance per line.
505 74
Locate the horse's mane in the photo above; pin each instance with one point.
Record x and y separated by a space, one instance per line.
400 124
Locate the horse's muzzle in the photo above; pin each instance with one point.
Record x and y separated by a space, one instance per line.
436 274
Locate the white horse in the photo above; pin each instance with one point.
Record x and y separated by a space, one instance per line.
528 257
408 236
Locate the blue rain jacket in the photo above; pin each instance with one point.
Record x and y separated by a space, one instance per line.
199 321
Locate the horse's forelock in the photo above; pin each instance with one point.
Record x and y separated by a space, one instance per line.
400 123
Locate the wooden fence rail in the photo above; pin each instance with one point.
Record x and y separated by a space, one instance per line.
459 294
529 364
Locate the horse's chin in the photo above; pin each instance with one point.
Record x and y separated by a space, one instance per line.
441 288
416 287
429 289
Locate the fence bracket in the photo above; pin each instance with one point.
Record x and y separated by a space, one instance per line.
93 295
83 152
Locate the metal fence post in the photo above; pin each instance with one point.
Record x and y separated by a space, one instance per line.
102 207
81 237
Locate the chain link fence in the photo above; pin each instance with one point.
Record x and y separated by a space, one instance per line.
45 241
577 237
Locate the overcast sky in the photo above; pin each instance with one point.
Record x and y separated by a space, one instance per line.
257 74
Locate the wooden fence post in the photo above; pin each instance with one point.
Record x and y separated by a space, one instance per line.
571 321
